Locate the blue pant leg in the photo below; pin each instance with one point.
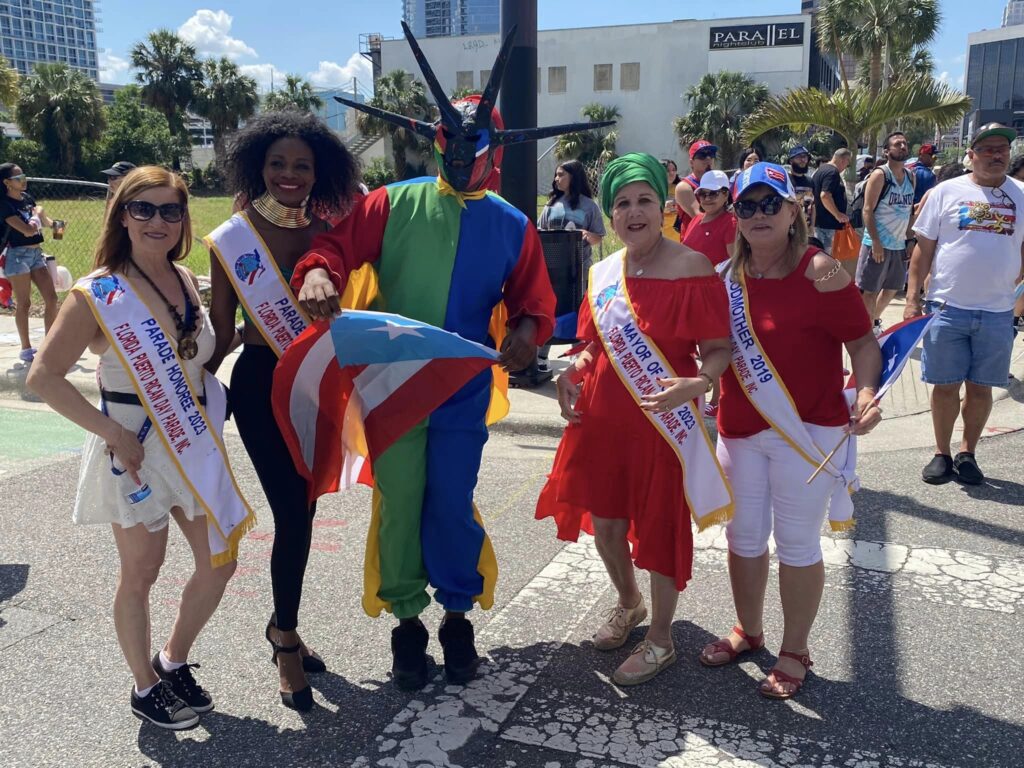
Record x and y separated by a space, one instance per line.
452 539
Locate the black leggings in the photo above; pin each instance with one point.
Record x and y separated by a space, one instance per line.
285 489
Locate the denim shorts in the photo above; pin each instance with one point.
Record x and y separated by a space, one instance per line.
23 259
825 237
968 345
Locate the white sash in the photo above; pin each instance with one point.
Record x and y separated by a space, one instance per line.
256 278
638 362
768 394
193 440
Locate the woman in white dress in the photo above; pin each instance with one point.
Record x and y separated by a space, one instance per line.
146 231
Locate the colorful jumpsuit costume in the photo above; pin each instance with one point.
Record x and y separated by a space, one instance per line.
449 260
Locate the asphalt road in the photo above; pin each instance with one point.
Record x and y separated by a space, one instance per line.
916 648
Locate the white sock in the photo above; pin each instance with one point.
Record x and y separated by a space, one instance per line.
168 665
145 691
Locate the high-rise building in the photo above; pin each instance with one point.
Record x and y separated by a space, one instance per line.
50 31
1013 13
447 18
995 76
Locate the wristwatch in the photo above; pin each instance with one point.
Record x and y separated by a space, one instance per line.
710 381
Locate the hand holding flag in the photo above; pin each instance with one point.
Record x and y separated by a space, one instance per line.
345 391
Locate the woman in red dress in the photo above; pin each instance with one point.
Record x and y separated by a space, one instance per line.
713 231
631 490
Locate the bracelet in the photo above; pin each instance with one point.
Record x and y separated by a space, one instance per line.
708 379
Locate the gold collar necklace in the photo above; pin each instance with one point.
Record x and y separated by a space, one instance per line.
280 215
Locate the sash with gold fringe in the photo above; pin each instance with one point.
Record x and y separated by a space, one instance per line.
638 362
192 439
767 392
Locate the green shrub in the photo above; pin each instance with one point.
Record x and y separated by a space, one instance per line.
378 173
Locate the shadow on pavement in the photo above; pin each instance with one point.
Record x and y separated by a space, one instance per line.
13 579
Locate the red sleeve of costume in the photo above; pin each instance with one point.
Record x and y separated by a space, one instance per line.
528 289
355 241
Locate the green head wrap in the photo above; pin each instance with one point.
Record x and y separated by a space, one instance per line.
636 166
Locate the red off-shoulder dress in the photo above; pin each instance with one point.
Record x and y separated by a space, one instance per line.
614 463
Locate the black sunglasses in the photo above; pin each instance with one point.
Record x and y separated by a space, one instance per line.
769 206
709 192
705 155
141 210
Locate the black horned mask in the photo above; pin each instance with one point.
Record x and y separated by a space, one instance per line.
468 138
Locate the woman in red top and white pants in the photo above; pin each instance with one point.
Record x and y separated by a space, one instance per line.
801 309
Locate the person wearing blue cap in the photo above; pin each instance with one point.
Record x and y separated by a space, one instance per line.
802 176
792 309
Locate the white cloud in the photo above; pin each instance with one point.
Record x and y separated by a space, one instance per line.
945 79
264 74
113 69
331 74
209 31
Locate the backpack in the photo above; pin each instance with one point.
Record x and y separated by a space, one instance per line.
856 209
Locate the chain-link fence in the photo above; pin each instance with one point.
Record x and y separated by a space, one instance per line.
81 205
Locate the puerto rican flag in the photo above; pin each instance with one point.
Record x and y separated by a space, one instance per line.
897 343
345 391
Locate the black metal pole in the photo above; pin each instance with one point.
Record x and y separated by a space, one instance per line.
518 105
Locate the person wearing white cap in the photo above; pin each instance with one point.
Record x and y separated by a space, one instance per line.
714 230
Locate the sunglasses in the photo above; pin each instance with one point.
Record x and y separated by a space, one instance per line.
769 206
708 193
140 210
704 156
19 177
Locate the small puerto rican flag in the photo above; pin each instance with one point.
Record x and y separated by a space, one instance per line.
345 391
897 343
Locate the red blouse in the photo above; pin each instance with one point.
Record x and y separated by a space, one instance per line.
802 331
714 238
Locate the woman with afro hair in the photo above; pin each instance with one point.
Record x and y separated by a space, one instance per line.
291 175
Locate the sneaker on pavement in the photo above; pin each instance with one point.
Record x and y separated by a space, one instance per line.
644 662
877 328
620 621
163 709
967 470
460 657
939 470
409 655
27 355
185 686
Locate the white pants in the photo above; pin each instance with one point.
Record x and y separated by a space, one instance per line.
768 480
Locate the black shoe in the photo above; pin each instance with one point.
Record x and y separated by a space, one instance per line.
409 655
460 657
185 686
967 471
164 709
302 699
311 664
939 470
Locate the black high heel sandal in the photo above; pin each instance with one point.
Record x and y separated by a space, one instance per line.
302 700
313 663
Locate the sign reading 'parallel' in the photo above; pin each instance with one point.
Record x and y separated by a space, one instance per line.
756 36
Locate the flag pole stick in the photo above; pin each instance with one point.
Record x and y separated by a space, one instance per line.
827 459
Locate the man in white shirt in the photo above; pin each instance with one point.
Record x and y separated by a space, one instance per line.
970 240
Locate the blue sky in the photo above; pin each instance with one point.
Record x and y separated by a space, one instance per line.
319 39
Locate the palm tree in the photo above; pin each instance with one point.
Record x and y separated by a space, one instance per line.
718 104
401 93
296 94
61 108
875 30
856 113
226 97
595 146
8 83
904 65
169 72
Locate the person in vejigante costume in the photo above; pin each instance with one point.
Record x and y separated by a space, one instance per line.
451 253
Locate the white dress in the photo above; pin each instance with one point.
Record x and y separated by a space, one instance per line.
103 497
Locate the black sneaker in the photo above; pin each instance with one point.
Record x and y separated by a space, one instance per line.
409 655
939 470
967 471
460 657
185 686
163 709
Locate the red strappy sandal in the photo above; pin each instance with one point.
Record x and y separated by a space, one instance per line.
782 677
724 646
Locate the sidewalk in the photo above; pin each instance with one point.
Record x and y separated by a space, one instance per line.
906 423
